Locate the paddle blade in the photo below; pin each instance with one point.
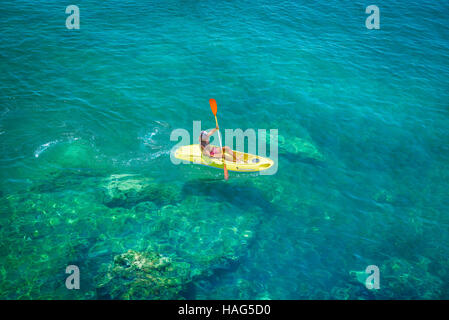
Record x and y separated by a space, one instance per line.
226 174
213 106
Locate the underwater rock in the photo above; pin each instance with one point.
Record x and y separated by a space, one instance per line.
63 222
208 235
240 289
127 190
119 189
383 196
300 147
341 293
204 240
359 276
402 279
50 229
144 275
145 207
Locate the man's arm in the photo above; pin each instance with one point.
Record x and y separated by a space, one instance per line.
206 152
212 132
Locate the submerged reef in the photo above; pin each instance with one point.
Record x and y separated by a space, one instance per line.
144 275
132 237
126 190
189 241
294 142
405 279
398 278
136 236
299 147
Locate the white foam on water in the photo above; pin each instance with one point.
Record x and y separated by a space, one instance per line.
44 147
148 138
148 157
49 144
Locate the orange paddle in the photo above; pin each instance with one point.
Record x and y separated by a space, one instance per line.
213 107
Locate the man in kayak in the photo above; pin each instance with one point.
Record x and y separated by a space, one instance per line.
215 152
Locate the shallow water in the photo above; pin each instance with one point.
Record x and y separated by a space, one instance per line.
363 166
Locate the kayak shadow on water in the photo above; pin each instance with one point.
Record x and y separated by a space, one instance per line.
241 196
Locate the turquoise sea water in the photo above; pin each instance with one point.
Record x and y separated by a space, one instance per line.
363 166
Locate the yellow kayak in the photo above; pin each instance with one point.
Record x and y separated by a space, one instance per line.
249 162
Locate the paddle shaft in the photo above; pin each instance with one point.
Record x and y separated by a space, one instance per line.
219 135
213 107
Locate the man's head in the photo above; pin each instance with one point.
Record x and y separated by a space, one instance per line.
204 136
